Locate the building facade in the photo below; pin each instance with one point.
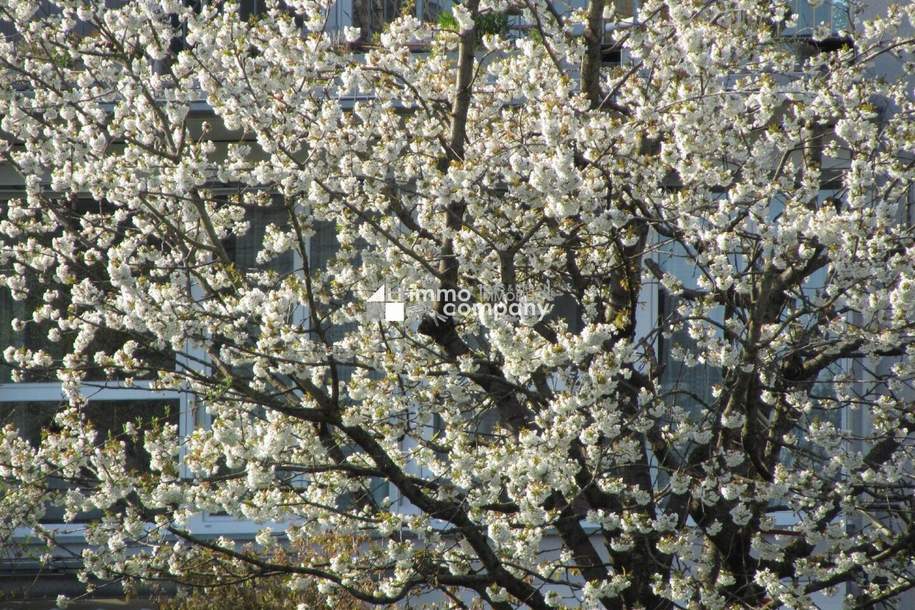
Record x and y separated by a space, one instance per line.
30 403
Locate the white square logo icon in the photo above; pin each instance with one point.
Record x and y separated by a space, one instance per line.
394 312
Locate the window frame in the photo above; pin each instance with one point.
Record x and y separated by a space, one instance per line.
197 416
103 390
850 421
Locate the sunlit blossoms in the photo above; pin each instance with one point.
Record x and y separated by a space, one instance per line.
716 412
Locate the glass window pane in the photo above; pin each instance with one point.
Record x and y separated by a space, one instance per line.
34 419
110 416
811 15
251 8
323 246
29 418
37 335
373 15
243 249
10 310
566 309
687 386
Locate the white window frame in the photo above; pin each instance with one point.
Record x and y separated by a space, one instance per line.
95 391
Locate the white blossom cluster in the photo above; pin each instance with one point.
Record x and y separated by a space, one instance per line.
543 463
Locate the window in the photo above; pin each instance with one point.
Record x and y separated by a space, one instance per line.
830 14
75 214
340 13
429 10
685 382
251 8
372 15
616 30
30 404
243 249
33 418
689 383
826 407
